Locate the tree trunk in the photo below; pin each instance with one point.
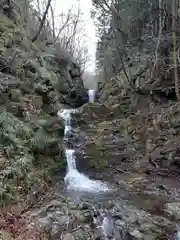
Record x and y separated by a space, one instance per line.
42 21
174 49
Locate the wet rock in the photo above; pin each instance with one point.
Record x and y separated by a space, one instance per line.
136 234
51 124
173 209
68 236
91 111
83 206
84 217
139 224
15 94
84 232
53 223
58 217
97 234
162 187
56 232
45 223
109 205
108 226
4 235
3 162
8 82
78 97
53 205
156 155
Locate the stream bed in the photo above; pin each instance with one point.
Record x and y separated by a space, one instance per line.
111 204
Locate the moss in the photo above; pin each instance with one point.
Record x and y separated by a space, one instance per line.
22 169
15 94
23 140
98 157
20 73
44 143
98 163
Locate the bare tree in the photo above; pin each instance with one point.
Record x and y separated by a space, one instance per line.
174 49
65 28
42 21
53 22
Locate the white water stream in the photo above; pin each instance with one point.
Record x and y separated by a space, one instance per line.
74 179
77 181
91 93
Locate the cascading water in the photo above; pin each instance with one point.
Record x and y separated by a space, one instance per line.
70 159
74 179
91 93
66 115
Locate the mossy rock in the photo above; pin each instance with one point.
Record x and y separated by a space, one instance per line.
23 140
97 156
22 146
3 162
15 94
44 74
31 65
27 87
51 125
97 112
92 111
15 108
45 143
173 209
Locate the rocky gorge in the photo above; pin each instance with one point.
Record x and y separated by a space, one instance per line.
124 149
143 203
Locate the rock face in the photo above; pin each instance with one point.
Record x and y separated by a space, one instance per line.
36 79
64 218
38 69
173 209
132 141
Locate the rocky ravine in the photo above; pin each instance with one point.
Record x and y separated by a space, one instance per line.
36 80
145 205
129 140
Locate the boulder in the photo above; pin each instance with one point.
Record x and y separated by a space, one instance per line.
68 236
173 209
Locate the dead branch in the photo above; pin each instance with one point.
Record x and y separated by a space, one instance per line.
69 17
53 22
157 47
42 21
117 169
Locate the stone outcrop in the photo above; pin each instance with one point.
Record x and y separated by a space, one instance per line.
36 80
38 69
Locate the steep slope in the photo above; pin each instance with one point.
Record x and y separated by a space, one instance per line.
36 78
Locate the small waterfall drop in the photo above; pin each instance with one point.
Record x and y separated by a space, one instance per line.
70 159
66 115
74 179
91 94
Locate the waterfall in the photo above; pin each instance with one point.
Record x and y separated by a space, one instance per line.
74 179
70 159
91 94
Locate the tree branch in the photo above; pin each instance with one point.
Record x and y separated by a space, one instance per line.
42 21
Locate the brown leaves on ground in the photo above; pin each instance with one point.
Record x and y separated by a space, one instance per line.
15 226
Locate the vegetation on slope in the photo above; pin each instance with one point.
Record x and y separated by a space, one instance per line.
36 76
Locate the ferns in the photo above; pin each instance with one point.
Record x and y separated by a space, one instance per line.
12 130
17 168
19 136
41 141
6 194
19 144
